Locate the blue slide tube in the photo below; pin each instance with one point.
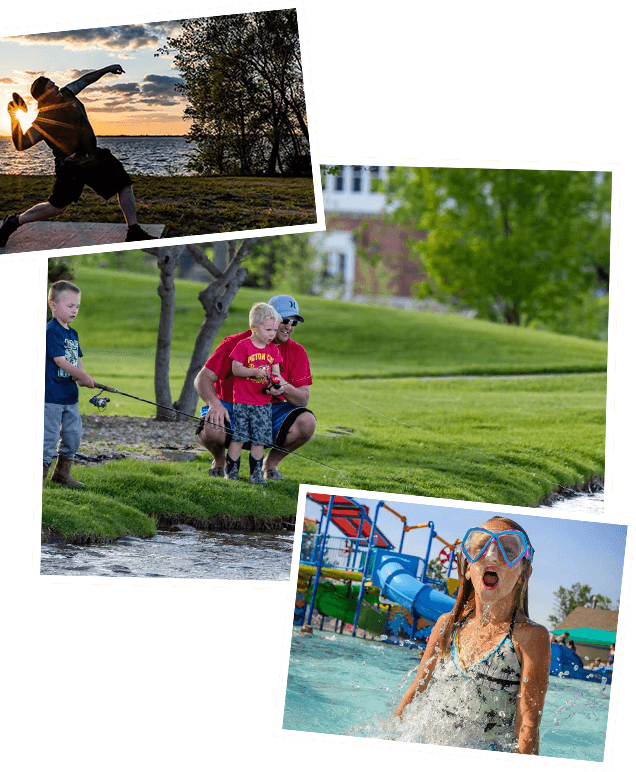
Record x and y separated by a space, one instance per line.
395 576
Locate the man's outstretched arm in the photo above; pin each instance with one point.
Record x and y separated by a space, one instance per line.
91 77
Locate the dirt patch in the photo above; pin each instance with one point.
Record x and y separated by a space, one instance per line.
107 438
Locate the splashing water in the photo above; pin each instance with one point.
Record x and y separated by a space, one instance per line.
328 691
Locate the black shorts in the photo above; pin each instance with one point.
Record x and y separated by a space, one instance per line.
101 171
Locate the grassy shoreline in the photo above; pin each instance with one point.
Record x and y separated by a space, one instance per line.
187 206
79 534
134 498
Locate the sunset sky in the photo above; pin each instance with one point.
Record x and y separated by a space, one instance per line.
142 101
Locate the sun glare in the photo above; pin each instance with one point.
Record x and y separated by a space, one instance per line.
26 119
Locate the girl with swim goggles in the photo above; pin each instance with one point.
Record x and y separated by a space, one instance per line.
486 664
513 545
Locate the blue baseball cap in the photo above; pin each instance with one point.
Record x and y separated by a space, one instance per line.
286 306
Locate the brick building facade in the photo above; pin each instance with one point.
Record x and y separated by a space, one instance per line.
357 225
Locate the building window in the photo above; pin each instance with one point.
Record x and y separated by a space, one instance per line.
339 184
342 264
356 180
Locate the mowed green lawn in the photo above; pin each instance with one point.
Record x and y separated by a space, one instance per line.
380 425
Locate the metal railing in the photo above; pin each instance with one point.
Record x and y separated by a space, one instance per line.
343 553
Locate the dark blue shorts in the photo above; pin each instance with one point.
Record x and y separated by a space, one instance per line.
283 416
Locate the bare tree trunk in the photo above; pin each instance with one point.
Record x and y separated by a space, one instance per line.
167 259
227 276
216 299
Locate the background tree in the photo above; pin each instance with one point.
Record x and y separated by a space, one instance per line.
290 263
243 79
516 245
227 274
578 595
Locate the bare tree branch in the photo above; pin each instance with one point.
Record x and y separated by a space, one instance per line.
203 260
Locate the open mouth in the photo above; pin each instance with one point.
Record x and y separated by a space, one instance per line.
490 579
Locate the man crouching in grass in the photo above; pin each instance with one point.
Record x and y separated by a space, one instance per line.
293 424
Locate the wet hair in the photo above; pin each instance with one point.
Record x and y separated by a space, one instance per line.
259 312
465 602
38 87
56 289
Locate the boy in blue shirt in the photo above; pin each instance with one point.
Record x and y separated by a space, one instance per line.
61 397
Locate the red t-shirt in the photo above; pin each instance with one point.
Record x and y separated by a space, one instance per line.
249 391
294 368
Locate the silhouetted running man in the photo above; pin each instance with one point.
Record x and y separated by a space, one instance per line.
63 124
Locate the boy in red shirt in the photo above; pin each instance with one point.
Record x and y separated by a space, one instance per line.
254 361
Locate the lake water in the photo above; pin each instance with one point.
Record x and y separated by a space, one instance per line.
160 156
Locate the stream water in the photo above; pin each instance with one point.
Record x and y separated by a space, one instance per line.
183 554
582 505
191 554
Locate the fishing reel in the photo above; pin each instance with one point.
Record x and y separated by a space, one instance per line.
99 401
272 383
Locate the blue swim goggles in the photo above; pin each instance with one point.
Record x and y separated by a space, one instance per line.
513 545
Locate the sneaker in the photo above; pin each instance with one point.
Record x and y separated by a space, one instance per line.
137 233
272 475
10 225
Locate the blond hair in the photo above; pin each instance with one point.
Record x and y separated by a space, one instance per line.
259 312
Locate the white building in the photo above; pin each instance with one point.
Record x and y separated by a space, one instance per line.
354 210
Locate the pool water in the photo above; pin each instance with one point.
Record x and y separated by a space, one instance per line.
342 685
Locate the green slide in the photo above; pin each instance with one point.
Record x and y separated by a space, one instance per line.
332 601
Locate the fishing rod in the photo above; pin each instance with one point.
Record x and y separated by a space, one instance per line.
101 403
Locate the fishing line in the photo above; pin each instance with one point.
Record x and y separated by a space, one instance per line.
100 403
445 439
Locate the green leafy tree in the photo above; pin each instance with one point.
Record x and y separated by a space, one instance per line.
435 570
578 595
290 263
243 79
516 245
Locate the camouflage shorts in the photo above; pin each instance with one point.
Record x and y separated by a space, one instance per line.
252 423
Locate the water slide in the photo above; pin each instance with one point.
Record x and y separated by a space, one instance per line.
394 574
567 664
340 602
